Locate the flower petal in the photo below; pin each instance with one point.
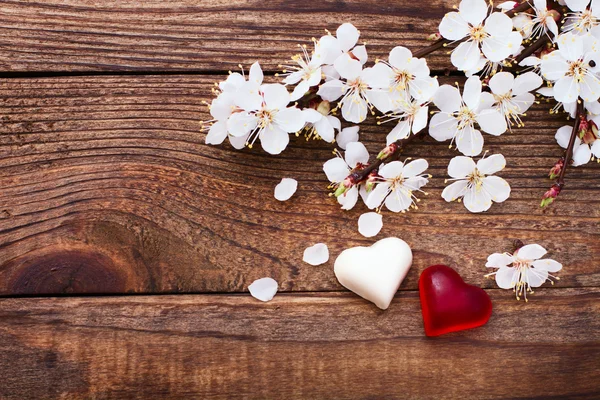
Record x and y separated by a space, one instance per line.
453 26
472 92
240 123
248 97
526 82
377 195
473 11
536 277
347 67
447 99
356 153
498 24
360 52
590 89
492 121
547 265
497 188
469 141
502 83
300 90
400 57
286 189
256 74
466 55
477 200
504 277
492 164
347 135
553 66
399 200
400 131
263 289
316 255
378 77
460 167
570 46
354 108
347 35
276 96
336 170
455 190
217 133
581 155
563 134
577 5
349 198
332 90
274 139
414 168
369 224
420 119
499 260
443 126
290 119
325 130
391 170
530 252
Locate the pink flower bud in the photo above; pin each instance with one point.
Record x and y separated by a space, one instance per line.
555 170
387 151
434 37
550 195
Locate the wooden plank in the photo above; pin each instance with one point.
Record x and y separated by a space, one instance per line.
297 346
197 35
107 187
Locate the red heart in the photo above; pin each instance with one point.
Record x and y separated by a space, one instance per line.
448 304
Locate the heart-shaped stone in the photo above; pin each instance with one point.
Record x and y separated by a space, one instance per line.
449 304
375 272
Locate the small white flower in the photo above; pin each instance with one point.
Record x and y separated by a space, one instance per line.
323 126
329 48
541 23
338 168
407 74
587 142
583 20
264 114
511 96
458 115
347 135
495 38
369 224
306 74
523 270
316 255
286 189
359 89
475 183
412 117
396 184
263 289
573 68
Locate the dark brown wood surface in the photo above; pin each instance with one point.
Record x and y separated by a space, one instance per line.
107 187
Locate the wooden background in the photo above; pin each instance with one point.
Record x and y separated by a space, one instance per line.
127 245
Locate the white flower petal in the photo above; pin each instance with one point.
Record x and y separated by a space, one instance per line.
570 46
577 5
595 148
360 52
377 195
469 141
381 99
349 198
492 121
581 155
399 200
498 24
420 119
240 123
332 90
248 97
472 92
507 5
274 139
460 167
290 119
327 50
256 74
498 260
391 170
238 142
530 61
311 115
536 277
400 57
526 82
590 88
455 190
378 76
354 108
530 252
492 164
466 55
447 99
477 200
443 126
453 26
232 83
286 189
356 153
222 106
316 255
496 48
276 96
400 131
336 170
369 224
497 188
563 134
414 168
300 90
504 277
217 133
547 265
347 67
473 11
502 83
347 135
263 289
553 66
423 88
347 35
325 130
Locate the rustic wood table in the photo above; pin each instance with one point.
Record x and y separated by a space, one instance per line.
127 244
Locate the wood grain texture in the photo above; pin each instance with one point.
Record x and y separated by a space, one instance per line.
197 35
107 187
324 346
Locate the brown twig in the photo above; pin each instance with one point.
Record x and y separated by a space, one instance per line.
569 151
532 48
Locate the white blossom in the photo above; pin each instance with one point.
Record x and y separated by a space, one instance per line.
512 95
329 48
458 116
396 184
475 184
493 36
323 126
411 115
573 68
523 270
542 22
582 20
587 142
305 74
338 168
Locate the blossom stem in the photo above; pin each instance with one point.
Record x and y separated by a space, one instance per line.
569 151
397 146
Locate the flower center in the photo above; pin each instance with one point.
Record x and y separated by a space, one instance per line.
357 85
396 182
478 33
476 179
465 116
265 117
402 79
577 70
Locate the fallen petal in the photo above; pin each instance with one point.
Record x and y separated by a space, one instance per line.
286 189
369 224
316 255
263 289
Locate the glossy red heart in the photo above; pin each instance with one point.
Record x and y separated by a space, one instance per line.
449 304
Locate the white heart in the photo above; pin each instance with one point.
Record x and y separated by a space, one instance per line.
374 273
